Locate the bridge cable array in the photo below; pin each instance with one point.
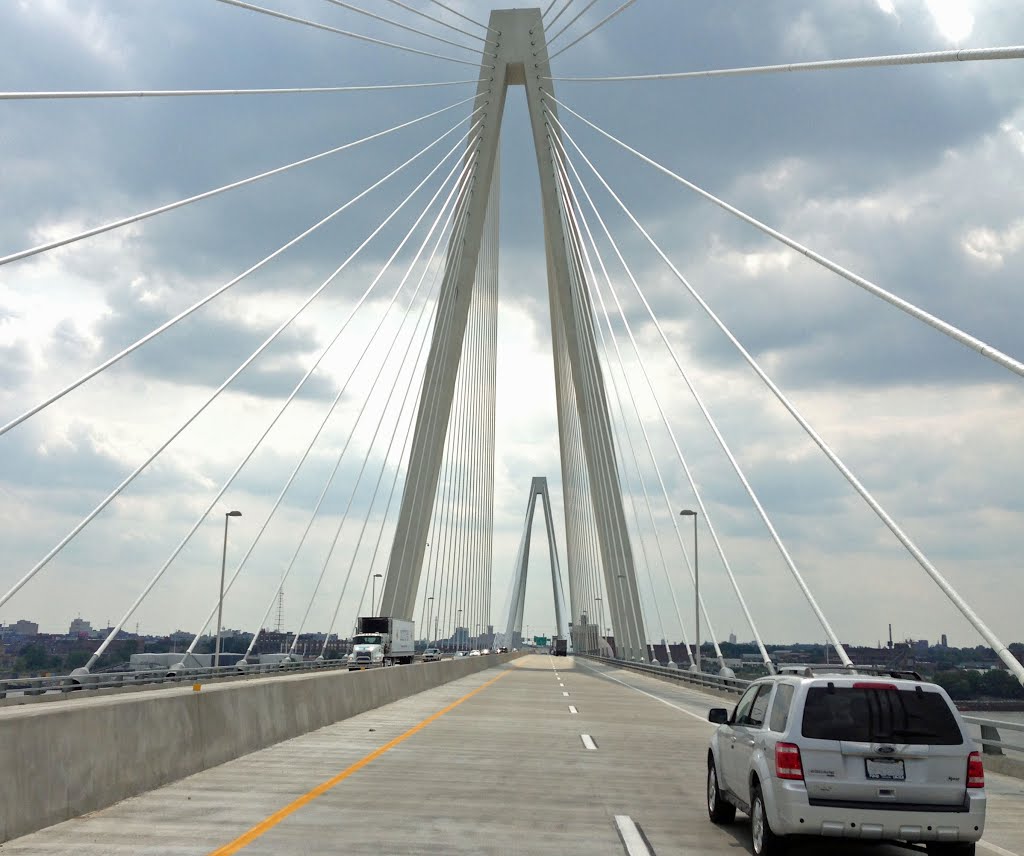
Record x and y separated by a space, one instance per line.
459 559
305 21
362 299
405 27
309 448
997 645
708 518
174 435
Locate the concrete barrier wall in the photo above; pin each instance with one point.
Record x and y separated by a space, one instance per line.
61 760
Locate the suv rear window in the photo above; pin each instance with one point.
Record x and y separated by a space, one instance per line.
871 715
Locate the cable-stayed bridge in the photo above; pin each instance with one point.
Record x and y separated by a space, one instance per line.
394 476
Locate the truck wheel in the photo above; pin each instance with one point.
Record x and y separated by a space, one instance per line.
719 810
766 842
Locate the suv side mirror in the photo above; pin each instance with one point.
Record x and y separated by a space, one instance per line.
718 715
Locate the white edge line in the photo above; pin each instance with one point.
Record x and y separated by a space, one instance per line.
995 848
588 741
631 837
656 698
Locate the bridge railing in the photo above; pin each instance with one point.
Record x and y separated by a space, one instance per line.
989 737
704 680
11 688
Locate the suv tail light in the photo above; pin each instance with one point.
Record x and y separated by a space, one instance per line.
975 771
788 764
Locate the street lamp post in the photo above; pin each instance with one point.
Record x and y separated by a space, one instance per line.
373 599
430 612
686 512
220 600
600 607
458 621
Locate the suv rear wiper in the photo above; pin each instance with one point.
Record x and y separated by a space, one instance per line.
914 732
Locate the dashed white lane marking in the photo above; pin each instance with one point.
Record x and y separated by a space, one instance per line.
656 698
588 741
561 684
631 837
995 848
565 694
572 709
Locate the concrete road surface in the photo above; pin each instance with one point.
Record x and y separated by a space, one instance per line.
542 756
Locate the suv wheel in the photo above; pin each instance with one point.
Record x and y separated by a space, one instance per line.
719 810
766 842
944 849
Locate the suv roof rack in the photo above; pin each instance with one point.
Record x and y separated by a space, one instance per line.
811 670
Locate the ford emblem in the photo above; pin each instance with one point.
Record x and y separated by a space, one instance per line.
886 750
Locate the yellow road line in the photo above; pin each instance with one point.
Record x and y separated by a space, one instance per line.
269 823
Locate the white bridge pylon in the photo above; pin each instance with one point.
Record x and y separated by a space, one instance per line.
520 59
517 592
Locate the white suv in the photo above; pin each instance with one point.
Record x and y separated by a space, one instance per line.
882 757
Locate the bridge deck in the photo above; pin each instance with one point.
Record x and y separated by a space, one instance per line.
504 770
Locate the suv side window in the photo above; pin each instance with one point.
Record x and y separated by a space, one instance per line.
780 707
755 717
739 715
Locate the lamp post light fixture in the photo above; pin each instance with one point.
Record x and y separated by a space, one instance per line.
373 599
220 600
686 512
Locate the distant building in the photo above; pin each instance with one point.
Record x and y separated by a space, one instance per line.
22 628
80 627
921 644
945 644
732 638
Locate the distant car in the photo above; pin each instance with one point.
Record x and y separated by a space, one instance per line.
503 650
486 651
884 757
474 653
431 654
461 654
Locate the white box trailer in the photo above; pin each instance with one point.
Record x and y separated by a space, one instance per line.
382 641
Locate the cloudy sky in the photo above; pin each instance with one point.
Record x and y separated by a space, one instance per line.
910 176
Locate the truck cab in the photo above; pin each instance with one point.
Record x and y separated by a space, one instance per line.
367 651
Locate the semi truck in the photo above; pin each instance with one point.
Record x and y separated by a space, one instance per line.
381 641
559 646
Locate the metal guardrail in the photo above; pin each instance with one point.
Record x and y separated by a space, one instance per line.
72 685
990 740
704 680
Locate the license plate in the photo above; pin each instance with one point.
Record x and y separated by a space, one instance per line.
886 769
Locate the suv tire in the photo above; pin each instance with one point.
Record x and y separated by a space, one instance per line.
943 849
766 842
719 810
